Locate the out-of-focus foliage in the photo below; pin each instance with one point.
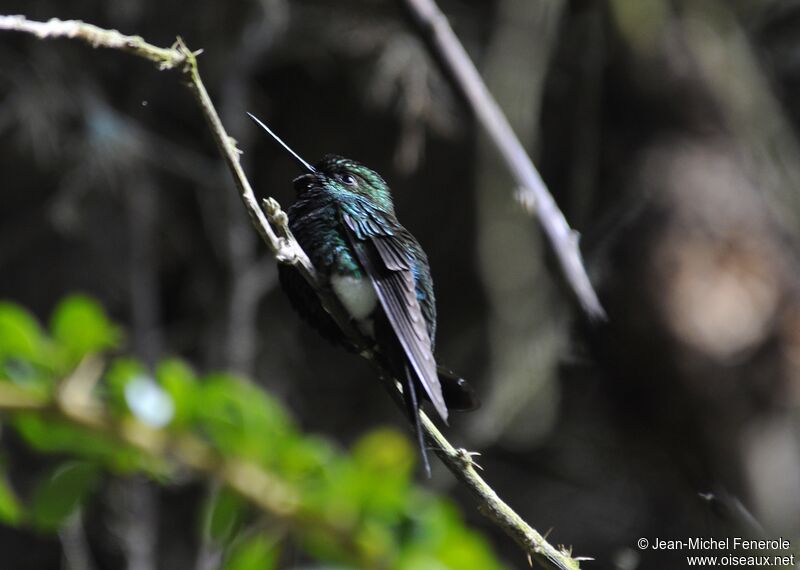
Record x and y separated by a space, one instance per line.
353 510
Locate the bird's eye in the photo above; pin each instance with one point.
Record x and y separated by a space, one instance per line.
348 179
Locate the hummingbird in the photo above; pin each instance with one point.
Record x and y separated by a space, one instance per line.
344 219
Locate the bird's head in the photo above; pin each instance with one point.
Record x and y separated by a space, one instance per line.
347 179
340 176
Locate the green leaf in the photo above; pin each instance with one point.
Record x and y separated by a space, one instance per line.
385 451
80 325
224 515
180 383
54 436
241 420
417 558
60 493
307 457
119 373
20 334
439 532
10 508
380 482
257 552
466 550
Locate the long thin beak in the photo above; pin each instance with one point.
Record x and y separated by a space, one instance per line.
297 157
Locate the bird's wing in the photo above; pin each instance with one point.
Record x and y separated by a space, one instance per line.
391 272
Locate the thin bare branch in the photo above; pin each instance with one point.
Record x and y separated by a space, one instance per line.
461 464
533 193
286 250
166 58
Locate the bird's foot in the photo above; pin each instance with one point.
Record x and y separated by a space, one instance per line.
468 458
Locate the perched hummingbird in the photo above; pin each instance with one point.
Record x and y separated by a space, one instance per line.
344 220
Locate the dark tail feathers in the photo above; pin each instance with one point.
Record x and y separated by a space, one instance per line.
458 395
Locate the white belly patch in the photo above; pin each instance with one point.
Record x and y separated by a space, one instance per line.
357 295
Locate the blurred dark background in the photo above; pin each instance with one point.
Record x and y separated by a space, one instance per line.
667 130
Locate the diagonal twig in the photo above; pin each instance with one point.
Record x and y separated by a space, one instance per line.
286 250
533 193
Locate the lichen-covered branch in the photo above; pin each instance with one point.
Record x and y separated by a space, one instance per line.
166 58
533 193
286 249
460 463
